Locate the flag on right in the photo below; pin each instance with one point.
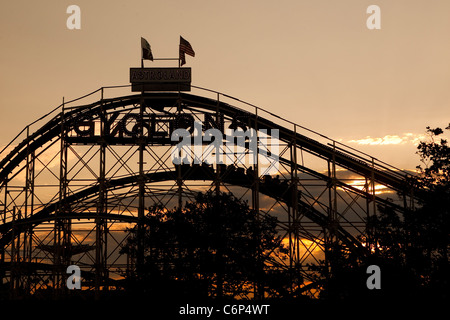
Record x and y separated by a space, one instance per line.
146 50
185 48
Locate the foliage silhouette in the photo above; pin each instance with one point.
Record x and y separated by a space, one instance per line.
411 248
419 240
214 247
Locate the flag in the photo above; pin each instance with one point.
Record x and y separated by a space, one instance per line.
185 48
146 50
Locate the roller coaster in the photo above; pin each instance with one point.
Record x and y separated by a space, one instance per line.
74 181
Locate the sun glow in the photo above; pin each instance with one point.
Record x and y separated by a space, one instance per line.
361 185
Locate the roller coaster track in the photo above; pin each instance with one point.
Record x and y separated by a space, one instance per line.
188 173
12 163
397 180
392 178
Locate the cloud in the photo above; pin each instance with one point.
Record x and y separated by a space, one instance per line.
406 138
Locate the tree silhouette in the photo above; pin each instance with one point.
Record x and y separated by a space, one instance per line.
215 247
417 242
410 247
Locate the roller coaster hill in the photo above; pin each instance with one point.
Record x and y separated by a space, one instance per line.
74 180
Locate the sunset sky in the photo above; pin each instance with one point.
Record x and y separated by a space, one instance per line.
313 62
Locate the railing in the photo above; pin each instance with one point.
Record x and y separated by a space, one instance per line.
28 128
337 145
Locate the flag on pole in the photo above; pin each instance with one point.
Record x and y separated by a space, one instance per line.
185 48
146 50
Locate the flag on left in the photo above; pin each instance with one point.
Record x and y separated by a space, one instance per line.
146 50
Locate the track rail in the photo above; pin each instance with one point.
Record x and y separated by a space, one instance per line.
384 174
380 172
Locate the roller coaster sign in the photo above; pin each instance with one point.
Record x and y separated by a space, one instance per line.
193 141
160 79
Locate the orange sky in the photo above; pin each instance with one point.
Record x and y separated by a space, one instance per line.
314 62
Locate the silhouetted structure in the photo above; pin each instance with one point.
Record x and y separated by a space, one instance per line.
72 182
